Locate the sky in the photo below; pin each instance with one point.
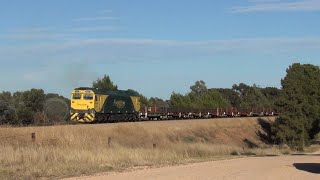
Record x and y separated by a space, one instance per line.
154 47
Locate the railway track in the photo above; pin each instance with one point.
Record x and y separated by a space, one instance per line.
183 119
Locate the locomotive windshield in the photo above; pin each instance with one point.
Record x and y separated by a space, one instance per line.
88 96
76 96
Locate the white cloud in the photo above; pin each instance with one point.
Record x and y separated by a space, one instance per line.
31 29
95 28
98 18
140 50
288 6
36 33
51 33
34 36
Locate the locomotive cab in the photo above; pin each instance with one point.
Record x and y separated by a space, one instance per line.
82 105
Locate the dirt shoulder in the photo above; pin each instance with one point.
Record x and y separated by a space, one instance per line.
305 167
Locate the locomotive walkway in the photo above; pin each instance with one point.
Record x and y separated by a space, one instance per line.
305 167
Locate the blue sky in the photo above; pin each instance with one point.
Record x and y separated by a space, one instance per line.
155 47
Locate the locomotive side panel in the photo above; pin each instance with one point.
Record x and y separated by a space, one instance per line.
99 101
136 103
118 104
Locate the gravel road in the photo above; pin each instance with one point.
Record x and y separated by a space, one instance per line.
304 167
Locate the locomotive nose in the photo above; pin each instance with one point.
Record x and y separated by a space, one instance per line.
82 106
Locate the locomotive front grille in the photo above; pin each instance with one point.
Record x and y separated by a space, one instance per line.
82 117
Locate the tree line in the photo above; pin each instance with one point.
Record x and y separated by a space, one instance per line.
298 102
242 96
33 107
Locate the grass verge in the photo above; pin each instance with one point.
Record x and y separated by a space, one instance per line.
74 150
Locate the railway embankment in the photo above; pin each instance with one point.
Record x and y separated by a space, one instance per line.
73 150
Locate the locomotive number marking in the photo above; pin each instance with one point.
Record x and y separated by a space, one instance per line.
119 104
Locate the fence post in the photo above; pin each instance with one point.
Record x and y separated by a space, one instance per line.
109 141
33 137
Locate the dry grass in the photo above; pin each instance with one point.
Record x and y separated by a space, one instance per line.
72 150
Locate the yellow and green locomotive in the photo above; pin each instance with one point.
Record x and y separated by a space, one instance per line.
95 105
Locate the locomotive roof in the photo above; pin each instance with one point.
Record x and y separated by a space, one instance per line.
110 92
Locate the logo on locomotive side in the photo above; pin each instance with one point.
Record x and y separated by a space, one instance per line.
119 104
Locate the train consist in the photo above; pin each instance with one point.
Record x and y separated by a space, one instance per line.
94 105
155 113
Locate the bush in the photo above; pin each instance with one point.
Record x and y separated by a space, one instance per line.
40 118
317 137
7 113
56 110
25 115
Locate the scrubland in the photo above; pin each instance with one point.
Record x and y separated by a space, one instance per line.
73 150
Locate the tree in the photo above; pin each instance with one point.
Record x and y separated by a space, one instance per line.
56 110
28 103
7 110
57 96
272 94
6 96
199 88
251 97
144 101
154 101
209 99
212 99
232 96
242 89
27 107
191 99
24 115
105 84
299 106
178 101
7 113
34 99
17 99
